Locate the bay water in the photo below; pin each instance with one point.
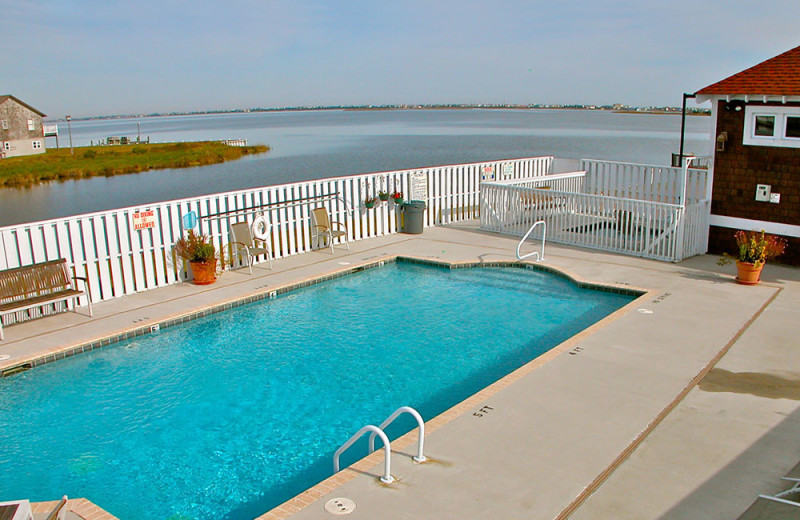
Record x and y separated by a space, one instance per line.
317 144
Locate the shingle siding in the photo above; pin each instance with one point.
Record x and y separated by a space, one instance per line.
739 168
17 135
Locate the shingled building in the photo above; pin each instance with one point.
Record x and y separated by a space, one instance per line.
756 166
21 131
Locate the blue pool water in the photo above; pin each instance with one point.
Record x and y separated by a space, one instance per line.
230 415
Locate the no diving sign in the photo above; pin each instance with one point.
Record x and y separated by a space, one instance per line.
144 220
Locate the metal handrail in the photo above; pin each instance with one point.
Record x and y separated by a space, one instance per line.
539 258
387 476
419 457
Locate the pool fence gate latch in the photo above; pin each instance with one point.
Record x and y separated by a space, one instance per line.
340 506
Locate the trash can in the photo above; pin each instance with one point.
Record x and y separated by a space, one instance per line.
412 220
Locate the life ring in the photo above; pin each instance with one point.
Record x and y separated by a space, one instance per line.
261 227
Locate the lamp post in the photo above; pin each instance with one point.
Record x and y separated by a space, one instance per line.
69 126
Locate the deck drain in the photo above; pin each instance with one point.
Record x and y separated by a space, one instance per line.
645 311
340 506
3 357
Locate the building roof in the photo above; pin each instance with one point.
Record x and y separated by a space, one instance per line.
778 76
5 98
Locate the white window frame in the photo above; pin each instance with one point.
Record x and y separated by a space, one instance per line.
778 139
31 125
785 125
6 146
36 144
5 124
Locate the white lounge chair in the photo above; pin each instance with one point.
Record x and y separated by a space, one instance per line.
245 244
790 496
323 231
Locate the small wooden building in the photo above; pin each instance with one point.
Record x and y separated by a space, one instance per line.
756 150
21 130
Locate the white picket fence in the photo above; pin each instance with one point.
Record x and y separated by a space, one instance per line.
614 207
644 182
120 260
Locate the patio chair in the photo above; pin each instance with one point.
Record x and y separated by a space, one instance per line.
59 512
244 244
790 496
322 229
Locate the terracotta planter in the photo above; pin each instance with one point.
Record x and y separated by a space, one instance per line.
205 273
748 274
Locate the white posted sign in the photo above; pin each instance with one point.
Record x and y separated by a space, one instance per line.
144 220
419 187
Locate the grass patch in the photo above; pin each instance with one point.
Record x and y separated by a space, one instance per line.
59 165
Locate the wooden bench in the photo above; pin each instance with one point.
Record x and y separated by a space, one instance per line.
32 286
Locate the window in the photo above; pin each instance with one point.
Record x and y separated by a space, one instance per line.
6 146
765 126
5 124
792 127
772 125
36 144
31 125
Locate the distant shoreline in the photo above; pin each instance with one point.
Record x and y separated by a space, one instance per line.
110 160
589 108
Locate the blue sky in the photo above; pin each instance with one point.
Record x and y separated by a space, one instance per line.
133 57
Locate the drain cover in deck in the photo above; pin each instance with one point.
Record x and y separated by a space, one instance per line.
340 506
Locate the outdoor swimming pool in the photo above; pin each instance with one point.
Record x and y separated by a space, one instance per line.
229 415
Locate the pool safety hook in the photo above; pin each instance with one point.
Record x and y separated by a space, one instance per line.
538 257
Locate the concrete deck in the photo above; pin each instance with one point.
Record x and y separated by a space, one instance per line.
611 424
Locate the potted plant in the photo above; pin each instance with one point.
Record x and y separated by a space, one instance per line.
397 197
369 202
201 254
754 249
383 195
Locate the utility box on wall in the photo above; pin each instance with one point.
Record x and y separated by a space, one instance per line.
762 192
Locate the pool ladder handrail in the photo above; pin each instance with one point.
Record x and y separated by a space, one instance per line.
378 431
419 457
539 258
387 465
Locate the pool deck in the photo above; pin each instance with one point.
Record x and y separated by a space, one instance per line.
610 424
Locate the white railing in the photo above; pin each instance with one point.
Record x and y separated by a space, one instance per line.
386 478
538 257
118 259
420 456
637 227
570 181
644 182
